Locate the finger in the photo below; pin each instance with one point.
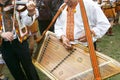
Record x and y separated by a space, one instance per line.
10 37
83 39
66 43
67 47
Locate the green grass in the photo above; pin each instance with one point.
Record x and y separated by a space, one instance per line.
108 45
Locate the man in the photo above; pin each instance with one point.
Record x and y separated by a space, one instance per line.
69 26
14 47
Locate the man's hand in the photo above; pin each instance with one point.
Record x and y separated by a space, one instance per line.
83 37
7 35
31 8
66 42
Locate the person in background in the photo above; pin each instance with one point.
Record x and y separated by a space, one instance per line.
14 47
117 9
69 26
111 14
47 10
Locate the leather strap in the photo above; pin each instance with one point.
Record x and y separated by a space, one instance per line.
90 42
51 23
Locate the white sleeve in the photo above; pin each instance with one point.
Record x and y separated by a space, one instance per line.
101 21
28 20
58 27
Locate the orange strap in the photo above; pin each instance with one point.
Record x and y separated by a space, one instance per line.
90 42
70 24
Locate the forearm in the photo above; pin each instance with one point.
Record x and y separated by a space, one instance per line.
29 19
31 13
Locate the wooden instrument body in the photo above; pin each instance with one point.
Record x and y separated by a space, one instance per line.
61 64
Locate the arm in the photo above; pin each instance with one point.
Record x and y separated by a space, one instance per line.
101 21
29 15
59 27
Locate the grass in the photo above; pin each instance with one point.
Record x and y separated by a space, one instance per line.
108 45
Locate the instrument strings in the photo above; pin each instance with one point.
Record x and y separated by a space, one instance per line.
51 45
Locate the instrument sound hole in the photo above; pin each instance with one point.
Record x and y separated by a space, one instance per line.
79 59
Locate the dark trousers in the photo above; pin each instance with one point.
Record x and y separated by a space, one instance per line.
18 59
95 45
